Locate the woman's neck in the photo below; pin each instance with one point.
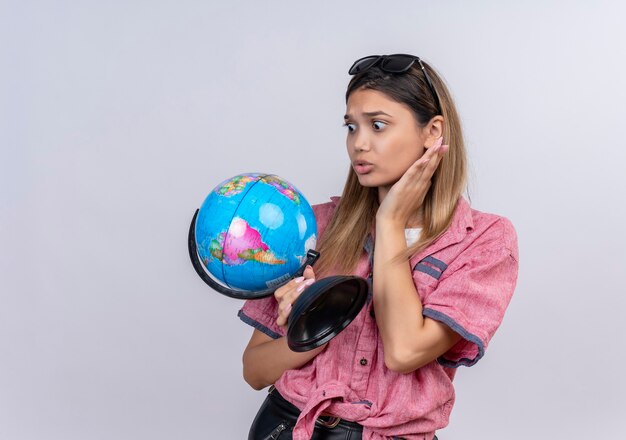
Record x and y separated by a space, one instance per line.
415 221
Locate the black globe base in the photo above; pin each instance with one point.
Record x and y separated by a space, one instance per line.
324 309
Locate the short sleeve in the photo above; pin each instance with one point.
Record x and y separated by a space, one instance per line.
474 296
262 314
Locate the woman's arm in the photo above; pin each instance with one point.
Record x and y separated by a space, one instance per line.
410 340
265 359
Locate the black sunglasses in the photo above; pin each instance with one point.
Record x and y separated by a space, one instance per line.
396 63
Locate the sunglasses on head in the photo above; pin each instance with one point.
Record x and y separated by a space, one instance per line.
396 63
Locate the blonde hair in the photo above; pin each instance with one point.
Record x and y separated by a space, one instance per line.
341 244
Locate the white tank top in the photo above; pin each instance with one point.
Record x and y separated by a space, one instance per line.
412 235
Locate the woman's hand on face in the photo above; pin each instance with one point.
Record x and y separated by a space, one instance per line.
408 193
287 294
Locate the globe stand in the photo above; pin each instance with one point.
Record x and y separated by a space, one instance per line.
321 311
324 309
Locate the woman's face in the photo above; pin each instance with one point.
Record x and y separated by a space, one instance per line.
383 138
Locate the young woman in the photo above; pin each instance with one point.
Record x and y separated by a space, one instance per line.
442 274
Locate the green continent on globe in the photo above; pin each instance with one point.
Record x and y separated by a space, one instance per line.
216 249
260 255
283 187
234 186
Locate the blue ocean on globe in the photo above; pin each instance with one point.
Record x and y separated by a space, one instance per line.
253 231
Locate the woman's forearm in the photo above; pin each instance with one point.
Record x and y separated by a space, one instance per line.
264 363
396 302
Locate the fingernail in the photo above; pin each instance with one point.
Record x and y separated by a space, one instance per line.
308 266
306 284
299 279
288 308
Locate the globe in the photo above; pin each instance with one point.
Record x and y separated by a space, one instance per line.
253 231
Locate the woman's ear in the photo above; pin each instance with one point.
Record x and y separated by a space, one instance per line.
434 130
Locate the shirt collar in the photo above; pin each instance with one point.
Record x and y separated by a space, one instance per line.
462 220
462 223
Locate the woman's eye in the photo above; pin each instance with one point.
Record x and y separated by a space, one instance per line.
378 127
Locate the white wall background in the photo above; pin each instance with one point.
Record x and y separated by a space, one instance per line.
117 118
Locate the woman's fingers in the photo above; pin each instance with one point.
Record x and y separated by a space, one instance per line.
283 290
280 293
432 165
287 298
294 293
308 272
431 159
432 152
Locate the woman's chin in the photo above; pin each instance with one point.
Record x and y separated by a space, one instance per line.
374 181
366 180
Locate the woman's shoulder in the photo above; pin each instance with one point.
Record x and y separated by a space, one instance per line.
323 213
332 202
492 227
325 209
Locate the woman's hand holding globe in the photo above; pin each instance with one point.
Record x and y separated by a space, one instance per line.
288 293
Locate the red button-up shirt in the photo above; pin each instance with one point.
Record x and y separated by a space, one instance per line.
465 279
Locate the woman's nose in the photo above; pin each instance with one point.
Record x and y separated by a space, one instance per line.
361 142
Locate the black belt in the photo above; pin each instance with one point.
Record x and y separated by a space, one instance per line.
326 421
278 414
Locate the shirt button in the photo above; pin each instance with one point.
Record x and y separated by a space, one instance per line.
363 361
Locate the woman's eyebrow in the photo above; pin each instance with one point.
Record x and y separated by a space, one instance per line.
375 113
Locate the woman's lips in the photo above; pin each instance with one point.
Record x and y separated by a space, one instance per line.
363 168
